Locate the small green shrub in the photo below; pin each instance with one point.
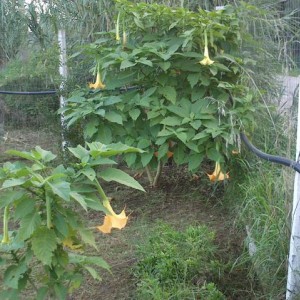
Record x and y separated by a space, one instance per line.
178 265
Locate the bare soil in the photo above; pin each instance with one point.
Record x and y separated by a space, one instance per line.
179 201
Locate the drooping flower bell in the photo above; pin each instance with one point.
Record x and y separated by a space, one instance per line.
98 84
206 61
118 28
112 220
218 175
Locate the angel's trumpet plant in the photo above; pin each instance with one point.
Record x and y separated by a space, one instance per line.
218 175
98 84
206 61
112 220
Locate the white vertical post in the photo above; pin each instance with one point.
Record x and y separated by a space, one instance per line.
293 279
63 71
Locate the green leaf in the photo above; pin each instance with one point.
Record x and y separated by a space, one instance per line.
162 150
89 173
215 155
120 176
146 158
143 143
8 197
169 93
91 128
130 159
60 291
22 154
43 243
114 117
99 149
179 154
104 135
195 161
171 121
13 274
93 272
61 189
13 182
134 113
61 224
164 65
42 154
24 207
42 293
80 199
94 204
193 78
196 124
79 152
87 236
28 225
145 61
201 135
126 64
88 260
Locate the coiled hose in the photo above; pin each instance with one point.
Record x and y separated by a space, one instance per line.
272 158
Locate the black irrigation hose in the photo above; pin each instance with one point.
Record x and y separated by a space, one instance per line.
53 92
28 93
272 158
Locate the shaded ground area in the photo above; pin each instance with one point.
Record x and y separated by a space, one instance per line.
25 139
179 201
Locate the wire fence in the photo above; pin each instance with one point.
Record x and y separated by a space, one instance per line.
29 120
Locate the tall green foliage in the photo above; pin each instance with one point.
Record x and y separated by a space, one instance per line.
183 102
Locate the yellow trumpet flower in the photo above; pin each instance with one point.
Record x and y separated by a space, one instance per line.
206 61
218 175
118 28
98 84
112 220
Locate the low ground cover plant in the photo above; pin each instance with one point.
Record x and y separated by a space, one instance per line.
176 264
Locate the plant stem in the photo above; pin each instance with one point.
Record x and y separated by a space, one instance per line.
158 173
48 210
5 239
150 178
100 190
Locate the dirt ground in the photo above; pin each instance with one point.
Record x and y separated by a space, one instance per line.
179 201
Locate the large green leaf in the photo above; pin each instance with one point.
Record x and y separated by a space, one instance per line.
195 161
13 182
120 176
24 207
89 173
13 274
88 260
79 152
169 93
28 225
41 154
99 149
8 197
114 117
61 189
80 199
43 243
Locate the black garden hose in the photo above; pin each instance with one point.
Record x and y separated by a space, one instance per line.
51 92
272 158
